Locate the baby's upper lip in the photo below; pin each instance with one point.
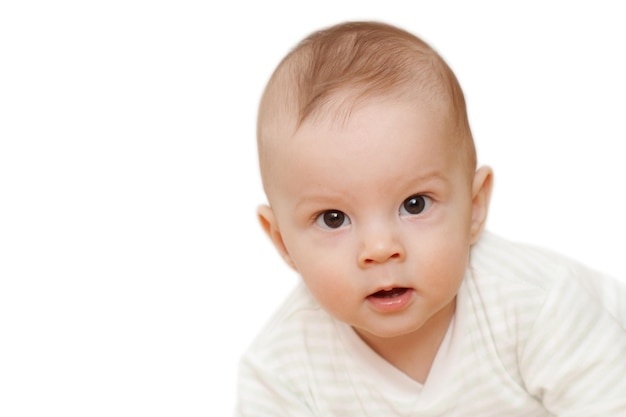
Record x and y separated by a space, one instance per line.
388 289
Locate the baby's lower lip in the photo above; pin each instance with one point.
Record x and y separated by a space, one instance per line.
392 300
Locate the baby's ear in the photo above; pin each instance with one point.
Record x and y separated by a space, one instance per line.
481 195
270 225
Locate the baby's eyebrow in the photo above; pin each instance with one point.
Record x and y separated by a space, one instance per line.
419 178
433 175
317 199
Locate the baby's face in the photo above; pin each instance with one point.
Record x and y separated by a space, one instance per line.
376 215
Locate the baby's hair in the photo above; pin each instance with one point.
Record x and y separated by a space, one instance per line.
333 70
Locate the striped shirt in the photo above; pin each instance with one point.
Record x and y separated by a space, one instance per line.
534 334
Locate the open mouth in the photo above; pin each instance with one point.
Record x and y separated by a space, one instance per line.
394 292
392 300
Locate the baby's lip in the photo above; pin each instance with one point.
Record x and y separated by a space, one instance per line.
389 292
390 299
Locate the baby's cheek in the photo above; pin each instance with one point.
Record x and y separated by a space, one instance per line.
447 260
328 283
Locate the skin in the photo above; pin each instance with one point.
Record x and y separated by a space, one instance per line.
377 203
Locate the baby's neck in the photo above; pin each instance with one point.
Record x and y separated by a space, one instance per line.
414 353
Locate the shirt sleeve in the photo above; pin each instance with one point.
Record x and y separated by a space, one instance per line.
574 360
263 393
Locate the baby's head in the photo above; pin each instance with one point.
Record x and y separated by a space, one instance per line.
334 71
369 167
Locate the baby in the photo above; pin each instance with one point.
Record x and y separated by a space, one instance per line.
406 307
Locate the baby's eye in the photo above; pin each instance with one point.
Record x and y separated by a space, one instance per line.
416 204
332 219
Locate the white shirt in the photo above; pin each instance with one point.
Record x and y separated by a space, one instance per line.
534 334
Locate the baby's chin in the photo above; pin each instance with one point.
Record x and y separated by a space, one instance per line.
386 332
407 325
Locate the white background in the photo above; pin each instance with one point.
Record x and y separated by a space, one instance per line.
132 269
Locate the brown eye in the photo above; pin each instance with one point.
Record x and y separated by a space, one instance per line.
416 204
332 219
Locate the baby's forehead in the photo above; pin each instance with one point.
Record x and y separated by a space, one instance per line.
324 134
379 145
347 111
388 115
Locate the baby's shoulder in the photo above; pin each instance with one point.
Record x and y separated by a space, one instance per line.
298 347
526 277
296 325
495 260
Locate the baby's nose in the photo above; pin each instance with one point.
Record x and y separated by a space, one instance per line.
380 245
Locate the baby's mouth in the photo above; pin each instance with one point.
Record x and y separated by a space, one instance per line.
390 300
391 293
